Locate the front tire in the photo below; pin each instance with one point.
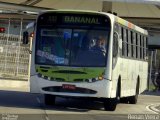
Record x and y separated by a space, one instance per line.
110 104
124 100
49 99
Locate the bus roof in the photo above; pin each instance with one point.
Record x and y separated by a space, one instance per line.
116 18
130 25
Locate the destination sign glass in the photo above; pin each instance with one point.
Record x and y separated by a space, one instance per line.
73 19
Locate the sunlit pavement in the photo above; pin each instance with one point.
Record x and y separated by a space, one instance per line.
158 107
30 106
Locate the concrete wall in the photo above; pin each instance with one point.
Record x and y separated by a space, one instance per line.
154 39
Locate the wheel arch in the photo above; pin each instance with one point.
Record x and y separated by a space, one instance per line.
138 84
119 85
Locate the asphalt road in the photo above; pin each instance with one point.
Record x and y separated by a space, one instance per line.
16 105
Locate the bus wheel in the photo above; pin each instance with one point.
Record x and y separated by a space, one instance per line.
110 104
124 100
133 99
49 99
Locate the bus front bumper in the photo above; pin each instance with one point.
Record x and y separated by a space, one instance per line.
98 89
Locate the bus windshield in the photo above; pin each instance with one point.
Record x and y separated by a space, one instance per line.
68 44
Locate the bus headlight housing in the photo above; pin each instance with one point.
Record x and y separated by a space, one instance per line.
100 78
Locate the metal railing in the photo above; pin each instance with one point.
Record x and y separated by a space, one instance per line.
14 57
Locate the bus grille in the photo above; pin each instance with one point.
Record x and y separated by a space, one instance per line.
61 89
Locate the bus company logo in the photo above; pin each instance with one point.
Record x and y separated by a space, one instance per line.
7 116
83 20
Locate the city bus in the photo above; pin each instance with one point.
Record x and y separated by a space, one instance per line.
88 54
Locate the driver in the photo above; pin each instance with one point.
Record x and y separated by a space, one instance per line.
100 45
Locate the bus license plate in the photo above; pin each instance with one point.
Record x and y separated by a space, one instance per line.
69 87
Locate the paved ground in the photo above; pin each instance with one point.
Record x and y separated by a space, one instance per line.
158 107
19 104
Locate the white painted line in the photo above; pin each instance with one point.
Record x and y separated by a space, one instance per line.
154 109
47 118
148 108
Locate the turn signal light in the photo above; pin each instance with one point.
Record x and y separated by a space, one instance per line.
100 78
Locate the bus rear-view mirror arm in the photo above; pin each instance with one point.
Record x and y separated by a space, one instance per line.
25 37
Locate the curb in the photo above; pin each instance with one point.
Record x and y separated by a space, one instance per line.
157 93
15 85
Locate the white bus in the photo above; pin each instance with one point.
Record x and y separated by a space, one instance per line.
88 54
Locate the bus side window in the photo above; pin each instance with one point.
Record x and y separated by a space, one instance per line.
141 47
120 38
137 54
131 43
143 50
125 42
128 43
146 50
134 44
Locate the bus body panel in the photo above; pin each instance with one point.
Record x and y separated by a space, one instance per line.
124 68
128 69
102 87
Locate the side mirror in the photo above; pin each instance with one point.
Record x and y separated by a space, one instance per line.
115 49
115 44
25 37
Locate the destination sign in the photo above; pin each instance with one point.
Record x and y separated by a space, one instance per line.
73 19
82 20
